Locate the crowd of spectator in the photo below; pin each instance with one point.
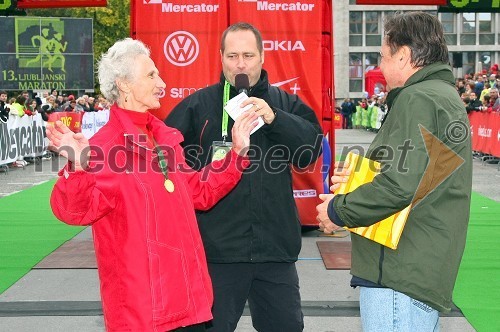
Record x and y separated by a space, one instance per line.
26 104
366 113
479 92
20 104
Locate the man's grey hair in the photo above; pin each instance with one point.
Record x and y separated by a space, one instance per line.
421 32
118 63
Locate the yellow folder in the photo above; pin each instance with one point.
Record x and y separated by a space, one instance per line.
387 231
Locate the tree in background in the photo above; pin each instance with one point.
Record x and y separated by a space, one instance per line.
111 23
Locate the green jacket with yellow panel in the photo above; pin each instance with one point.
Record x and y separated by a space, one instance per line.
424 147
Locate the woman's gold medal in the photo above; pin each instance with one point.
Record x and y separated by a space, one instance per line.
169 185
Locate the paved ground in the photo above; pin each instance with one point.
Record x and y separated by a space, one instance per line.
68 300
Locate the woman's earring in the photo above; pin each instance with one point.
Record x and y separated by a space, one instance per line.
126 97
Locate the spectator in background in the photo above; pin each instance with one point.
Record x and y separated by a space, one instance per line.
31 107
18 107
51 103
4 107
492 80
381 112
81 105
470 87
92 104
494 101
474 105
346 109
26 95
465 98
363 103
486 104
103 103
68 100
479 84
485 91
45 94
72 106
460 86
60 105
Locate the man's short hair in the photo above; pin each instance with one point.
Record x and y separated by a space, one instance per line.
242 26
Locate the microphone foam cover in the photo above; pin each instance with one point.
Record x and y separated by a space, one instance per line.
241 82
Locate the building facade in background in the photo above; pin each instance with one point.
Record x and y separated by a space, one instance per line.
473 41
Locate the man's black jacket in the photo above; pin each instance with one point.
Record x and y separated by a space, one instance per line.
258 220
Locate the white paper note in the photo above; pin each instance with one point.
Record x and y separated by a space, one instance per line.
234 110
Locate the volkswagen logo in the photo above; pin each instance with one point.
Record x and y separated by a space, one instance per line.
181 48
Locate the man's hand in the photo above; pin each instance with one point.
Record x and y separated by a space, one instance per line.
340 175
240 133
261 108
325 224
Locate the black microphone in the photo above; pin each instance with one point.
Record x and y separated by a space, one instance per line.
241 83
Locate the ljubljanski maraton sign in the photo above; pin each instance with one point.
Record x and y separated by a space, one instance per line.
46 53
485 6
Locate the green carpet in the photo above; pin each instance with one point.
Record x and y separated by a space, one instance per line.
477 291
28 232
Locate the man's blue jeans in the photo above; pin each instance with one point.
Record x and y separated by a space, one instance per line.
384 309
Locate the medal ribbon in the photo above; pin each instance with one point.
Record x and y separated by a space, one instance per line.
162 162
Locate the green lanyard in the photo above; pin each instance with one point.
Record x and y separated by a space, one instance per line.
225 116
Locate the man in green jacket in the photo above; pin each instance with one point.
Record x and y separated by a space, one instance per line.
424 148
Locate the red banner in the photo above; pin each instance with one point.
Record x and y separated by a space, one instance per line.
185 45
292 38
184 42
293 54
70 119
337 121
375 79
485 131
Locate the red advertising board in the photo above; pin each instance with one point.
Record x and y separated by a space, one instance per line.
185 45
292 38
71 119
291 33
184 42
485 131
375 79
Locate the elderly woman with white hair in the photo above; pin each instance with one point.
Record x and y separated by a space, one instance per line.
131 183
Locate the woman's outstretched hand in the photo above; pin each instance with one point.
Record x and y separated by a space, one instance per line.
240 133
74 147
